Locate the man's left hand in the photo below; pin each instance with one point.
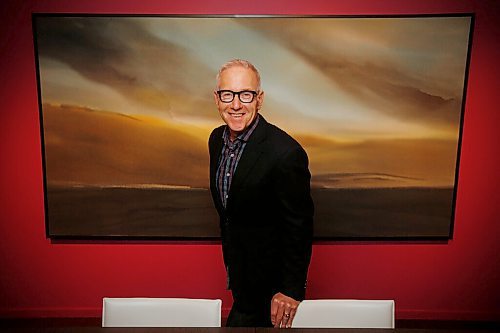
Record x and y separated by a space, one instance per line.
283 310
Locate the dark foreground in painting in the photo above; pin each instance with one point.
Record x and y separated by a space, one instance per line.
131 212
383 212
187 213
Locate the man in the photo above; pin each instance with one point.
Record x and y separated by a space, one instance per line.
260 185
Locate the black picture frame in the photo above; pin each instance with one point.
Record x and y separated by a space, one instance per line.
97 180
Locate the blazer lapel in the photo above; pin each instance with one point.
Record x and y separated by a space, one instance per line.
251 154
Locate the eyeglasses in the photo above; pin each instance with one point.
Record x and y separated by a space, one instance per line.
245 96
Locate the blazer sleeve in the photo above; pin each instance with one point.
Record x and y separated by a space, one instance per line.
292 185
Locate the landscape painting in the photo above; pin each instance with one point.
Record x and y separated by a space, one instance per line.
126 108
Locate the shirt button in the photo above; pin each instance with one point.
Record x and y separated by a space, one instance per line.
228 174
227 196
232 155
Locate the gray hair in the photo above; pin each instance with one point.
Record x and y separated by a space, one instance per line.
241 63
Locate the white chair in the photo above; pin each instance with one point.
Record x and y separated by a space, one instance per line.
161 312
344 313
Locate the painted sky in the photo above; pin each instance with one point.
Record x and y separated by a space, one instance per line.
367 86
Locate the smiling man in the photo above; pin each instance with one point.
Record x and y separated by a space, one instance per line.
260 184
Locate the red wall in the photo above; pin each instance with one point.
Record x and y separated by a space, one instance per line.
455 280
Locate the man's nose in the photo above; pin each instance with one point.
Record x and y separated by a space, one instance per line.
236 103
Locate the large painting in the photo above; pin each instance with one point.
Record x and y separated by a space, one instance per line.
126 108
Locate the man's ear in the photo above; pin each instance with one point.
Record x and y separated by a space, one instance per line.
260 100
216 98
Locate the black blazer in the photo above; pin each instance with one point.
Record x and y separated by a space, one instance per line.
267 226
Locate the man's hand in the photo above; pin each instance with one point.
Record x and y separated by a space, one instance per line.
283 310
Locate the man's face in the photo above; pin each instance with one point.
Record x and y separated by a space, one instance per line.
236 114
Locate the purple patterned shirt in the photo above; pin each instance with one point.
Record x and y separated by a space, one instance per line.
229 158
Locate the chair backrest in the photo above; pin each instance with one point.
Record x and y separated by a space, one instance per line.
345 313
161 312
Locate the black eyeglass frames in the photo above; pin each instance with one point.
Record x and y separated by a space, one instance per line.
245 96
